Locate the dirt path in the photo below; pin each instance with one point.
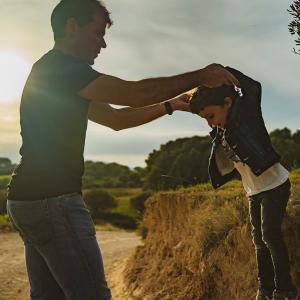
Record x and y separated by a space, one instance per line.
116 247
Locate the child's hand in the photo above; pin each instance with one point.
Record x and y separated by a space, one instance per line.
181 102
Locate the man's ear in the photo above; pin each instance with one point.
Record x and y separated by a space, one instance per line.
71 27
228 101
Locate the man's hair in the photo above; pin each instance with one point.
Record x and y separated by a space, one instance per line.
204 96
81 10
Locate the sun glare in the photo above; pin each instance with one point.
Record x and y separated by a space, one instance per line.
13 74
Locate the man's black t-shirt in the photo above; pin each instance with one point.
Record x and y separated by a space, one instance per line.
53 128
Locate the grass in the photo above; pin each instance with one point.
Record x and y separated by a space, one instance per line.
123 215
125 208
4 180
123 196
5 224
197 244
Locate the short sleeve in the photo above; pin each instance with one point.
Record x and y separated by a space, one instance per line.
63 73
78 75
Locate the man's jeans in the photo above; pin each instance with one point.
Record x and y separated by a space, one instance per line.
267 210
63 258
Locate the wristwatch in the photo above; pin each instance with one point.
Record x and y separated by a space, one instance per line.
168 107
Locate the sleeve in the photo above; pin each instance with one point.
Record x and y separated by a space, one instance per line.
251 93
76 76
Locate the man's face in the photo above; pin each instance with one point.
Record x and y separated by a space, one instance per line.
88 40
216 115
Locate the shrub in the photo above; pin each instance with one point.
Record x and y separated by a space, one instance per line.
119 220
3 200
138 201
99 201
5 224
4 180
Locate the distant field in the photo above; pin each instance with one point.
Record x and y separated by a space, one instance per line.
123 196
122 216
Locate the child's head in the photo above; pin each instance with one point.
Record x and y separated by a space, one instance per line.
213 104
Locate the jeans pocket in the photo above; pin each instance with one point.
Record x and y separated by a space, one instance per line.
79 220
33 222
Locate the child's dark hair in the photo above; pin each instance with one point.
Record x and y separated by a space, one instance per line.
204 96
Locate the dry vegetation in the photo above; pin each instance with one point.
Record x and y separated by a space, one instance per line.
197 245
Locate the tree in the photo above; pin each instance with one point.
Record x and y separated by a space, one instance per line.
3 200
181 162
282 134
109 175
288 146
6 167
99 201
296 137
184 161
294 26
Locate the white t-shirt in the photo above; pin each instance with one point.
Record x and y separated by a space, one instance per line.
270 179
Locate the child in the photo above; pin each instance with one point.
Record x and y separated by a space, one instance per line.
241 144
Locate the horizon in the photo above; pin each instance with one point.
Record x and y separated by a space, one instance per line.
95 160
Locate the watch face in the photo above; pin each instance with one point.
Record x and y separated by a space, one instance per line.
168 107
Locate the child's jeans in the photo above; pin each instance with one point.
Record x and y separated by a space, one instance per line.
267 210
63 258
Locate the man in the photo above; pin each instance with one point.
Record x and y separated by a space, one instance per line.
62 92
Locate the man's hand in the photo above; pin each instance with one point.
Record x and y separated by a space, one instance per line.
215 75
181 102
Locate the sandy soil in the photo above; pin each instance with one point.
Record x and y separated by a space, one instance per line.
116 247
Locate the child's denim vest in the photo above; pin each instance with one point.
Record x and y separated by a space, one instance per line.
245 134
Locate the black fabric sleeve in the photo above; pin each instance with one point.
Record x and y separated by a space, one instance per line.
251 93
79 75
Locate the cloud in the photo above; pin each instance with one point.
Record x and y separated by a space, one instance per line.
160 38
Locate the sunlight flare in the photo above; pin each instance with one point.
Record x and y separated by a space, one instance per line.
14 70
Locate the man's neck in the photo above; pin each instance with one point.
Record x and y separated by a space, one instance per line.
64 47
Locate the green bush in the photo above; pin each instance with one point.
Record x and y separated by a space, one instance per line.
5 224
4 180
3 200
119 220
138 202
99 201
110 175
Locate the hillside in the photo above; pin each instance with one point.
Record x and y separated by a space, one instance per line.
197 245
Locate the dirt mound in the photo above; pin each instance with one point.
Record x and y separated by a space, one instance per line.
198 246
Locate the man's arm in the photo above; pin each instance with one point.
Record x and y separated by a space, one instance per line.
127 117
110 89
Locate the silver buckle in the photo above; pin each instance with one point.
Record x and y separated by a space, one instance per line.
238 90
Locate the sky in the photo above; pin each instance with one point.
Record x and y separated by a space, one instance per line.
158 38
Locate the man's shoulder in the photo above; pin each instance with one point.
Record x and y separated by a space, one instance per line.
51 58
55 62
